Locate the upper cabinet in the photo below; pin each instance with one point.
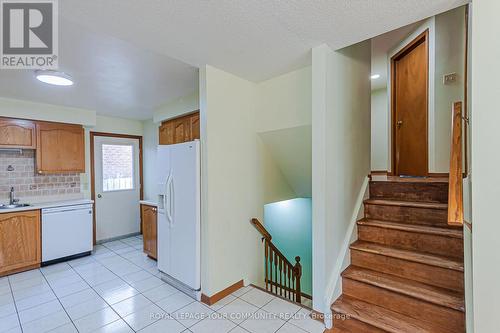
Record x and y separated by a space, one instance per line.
60 148
16 133
182 129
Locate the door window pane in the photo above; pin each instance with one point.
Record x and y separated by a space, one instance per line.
117 167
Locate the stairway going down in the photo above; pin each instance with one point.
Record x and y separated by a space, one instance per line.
407 272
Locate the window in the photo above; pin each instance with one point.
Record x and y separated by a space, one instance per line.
117 167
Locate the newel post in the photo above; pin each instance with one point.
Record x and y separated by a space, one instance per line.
297 269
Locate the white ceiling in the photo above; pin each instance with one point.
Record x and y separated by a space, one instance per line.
255 39
113 77
121 52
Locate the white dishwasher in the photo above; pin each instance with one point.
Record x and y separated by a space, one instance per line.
66 232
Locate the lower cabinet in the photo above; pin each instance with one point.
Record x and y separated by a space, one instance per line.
20 241
149 217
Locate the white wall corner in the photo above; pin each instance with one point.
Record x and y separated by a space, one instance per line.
319 204
334 287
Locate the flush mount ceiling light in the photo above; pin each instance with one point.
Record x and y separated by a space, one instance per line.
375 76
53 77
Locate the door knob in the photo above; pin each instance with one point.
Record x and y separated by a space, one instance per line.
99 196
399 123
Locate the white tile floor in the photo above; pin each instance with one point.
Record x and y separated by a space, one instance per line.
117 289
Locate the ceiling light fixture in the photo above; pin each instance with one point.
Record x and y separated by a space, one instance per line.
53 77
375 76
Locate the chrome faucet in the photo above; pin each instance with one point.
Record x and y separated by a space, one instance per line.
12 201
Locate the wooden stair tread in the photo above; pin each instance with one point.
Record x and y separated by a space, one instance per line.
416 228
423 258
352 325
422 291
381 318
396 179
414 204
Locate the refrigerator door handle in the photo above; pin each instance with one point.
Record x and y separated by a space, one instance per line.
168 206
172 200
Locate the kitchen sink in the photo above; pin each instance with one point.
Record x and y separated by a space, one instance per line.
14 206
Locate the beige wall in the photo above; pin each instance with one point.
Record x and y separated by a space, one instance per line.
450 58
380 130
285 101
238 178
341 153
178 107
15 108
284 124
485 161
118 125
150 143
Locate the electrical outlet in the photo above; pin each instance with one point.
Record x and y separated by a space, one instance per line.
450 78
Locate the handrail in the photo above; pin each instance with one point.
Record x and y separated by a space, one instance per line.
455 186
281 276
263 231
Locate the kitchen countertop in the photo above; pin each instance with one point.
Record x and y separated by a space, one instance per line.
149 203
52 204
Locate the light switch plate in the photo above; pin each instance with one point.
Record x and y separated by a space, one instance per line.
450 78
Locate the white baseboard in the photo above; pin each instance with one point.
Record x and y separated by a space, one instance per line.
334 287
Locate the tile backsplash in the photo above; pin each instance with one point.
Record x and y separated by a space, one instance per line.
18 171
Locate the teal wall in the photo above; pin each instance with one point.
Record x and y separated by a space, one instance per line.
290 224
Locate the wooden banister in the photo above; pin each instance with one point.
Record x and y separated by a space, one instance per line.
281 276
263 231
455 190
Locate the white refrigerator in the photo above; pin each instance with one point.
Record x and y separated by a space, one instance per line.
178 169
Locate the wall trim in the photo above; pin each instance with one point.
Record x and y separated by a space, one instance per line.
102 241
379 172
210 300
344 256
439 174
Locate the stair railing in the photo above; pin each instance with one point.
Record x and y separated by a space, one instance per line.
282 278
455 187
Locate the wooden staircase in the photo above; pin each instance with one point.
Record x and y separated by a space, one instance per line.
407 271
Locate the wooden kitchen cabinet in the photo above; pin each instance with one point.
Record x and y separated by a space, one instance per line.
149 217
182 129
60 148
20 241
17 133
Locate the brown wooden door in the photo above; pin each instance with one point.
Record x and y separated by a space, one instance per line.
149 227
20 243
60 148
15 133
409 108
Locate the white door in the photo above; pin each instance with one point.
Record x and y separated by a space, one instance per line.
185 212
117 186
